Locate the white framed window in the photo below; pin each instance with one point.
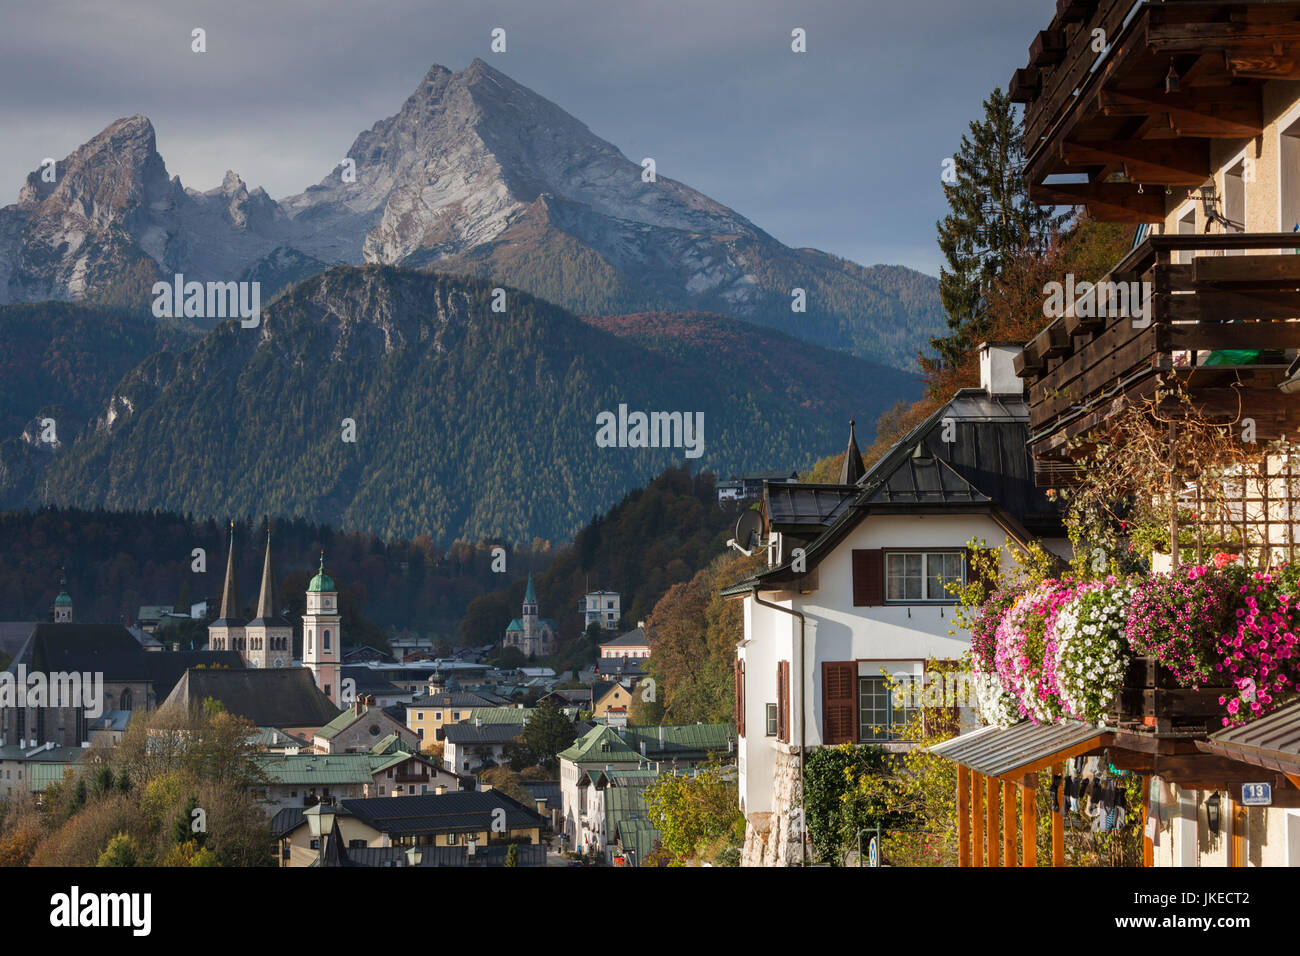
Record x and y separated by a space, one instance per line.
771 719
913 577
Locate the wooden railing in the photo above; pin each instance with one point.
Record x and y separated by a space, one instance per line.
1207 294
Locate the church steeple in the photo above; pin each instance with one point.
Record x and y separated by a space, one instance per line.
230 607
851 471
63 603
266 601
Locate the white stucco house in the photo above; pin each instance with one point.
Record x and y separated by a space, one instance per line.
854 590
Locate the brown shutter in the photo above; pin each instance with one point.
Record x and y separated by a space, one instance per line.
740 698
839 701
868 577
783 701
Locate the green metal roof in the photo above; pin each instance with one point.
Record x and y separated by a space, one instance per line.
322 581
530 595
599 745
515 625
326 769
339 724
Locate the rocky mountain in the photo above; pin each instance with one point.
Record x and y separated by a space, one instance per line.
474 174
469 423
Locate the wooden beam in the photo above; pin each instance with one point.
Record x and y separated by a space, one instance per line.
1029 821
1058 818
1048 48
991 818
1231 335
1148 846
977 818
1195 37
1026 83
1237 848
963 816
1221 306
1227 112
1255 271
1160 162
1110 202
1008 824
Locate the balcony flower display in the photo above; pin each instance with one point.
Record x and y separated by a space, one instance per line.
1177 618
1025 655
1060 649
1092 651
1261 656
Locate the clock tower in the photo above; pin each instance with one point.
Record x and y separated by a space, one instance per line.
320 634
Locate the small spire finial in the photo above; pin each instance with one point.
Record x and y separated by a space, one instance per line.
322 562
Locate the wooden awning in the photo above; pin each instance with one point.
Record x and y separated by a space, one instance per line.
1024 748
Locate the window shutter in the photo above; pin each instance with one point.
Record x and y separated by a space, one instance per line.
783 701
839 701
868 577
740 698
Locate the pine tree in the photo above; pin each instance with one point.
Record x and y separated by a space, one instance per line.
990 222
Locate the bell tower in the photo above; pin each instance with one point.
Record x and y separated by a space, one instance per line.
226 633
269 635
320 635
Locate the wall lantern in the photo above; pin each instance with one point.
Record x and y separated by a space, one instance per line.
1212 809
1171 79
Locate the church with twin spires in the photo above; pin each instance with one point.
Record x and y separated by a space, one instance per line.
267 640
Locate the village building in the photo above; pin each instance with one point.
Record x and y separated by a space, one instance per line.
856 598
634 643
1185 126
457 825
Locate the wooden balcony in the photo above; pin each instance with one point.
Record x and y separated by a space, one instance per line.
1210 296
1140 114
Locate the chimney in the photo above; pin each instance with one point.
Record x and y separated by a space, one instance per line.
997 374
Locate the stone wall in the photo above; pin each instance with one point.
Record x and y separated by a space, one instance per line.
773 839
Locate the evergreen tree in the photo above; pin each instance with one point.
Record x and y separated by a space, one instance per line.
991 221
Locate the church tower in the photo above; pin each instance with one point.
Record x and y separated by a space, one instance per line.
320 635
269 636
61 613
529 618
226 633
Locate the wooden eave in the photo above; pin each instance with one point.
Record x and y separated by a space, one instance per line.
1107 117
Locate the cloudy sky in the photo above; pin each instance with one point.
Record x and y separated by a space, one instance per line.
839 148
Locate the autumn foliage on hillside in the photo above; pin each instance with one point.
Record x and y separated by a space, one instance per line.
1088 249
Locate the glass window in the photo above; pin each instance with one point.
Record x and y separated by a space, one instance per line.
904 572
882 714
771 720
915 576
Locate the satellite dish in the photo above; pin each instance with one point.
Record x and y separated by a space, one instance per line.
749 527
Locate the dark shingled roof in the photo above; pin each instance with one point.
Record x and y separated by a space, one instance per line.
270 697
466 733
634 638
458 811
111 650
970 454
